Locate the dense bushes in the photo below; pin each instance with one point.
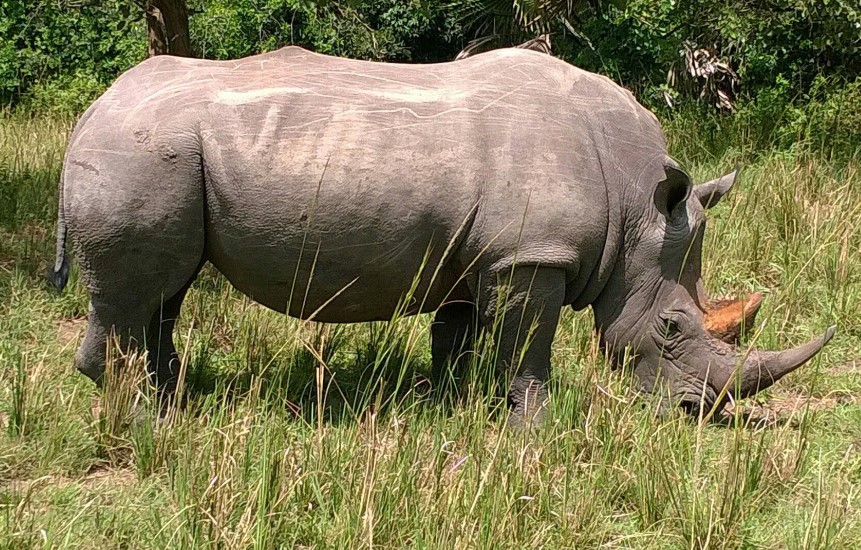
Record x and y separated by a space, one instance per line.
797 61
768 42
367 29
826 122
61 53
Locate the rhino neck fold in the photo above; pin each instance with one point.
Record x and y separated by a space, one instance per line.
623 308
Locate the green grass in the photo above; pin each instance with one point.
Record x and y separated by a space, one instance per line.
277 448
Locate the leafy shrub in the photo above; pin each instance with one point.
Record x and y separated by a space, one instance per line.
66 94
824 122
225 29
768 43
366 29
58 55
77 42
795 58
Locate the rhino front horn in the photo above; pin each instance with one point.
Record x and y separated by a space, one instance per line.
764 368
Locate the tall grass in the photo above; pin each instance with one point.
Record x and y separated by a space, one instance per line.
297 435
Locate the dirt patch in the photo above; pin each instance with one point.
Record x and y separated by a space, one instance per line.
848 367
98 479
69 331
789 407
108 477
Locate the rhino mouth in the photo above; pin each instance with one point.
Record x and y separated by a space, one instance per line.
698 405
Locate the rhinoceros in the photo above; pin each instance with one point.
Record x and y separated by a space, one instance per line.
498 188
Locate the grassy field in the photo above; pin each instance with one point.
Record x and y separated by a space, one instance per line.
300 435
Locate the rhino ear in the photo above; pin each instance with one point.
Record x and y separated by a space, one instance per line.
711 192
672 192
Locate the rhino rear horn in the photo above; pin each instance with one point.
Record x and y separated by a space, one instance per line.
728 320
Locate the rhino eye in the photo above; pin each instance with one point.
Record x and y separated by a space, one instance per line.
671 327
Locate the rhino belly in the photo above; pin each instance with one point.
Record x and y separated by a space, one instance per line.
340 275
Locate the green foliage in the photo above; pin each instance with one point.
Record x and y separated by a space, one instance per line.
796 59
225 29
57 56
824 122
510 20
831 120
767 43
367 29
66 94
66 46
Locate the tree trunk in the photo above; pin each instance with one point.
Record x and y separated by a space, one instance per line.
157 43
167 28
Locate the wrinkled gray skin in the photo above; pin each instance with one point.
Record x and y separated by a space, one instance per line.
320 186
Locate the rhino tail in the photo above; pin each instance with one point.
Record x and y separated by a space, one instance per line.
58 275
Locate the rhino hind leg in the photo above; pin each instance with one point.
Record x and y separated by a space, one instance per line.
139 322
136 279
139 233
106 322
523 308
453 334
90 358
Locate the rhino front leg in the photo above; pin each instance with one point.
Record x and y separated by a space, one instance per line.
453 334
523 307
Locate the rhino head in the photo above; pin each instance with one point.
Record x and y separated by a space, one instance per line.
652 304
